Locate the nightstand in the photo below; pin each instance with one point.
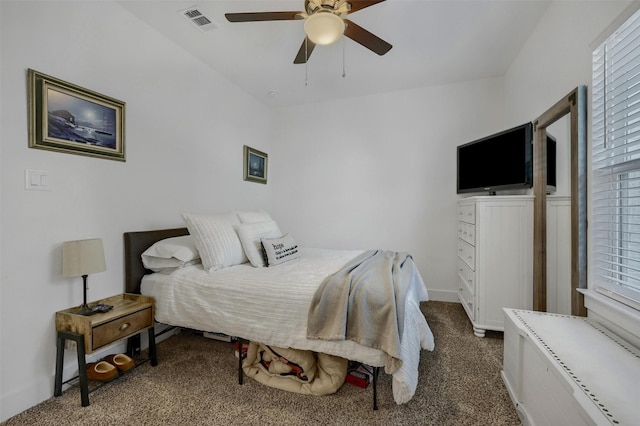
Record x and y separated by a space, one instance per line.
131 315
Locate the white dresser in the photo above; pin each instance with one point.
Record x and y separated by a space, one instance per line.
495 258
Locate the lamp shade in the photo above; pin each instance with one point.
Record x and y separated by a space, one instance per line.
82 257
324 28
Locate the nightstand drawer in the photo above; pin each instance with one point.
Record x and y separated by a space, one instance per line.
121 327
131 313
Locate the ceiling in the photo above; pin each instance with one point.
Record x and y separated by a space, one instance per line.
434 42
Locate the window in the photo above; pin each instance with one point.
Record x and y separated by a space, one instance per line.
615 183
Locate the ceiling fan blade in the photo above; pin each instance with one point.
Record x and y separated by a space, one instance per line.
357 5
303 54
365 38
263 16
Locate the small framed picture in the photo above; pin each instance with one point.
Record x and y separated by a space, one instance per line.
67 118
255 165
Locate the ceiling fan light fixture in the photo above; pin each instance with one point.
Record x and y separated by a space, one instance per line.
324 28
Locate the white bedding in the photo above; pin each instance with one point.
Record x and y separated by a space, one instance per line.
270 305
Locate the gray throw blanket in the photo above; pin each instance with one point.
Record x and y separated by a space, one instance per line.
364 302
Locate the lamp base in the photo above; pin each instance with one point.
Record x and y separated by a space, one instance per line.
85 310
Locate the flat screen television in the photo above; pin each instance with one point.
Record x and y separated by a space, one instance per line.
498 162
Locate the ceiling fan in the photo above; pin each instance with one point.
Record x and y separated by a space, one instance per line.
325 23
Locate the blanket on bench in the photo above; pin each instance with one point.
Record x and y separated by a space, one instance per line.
365 302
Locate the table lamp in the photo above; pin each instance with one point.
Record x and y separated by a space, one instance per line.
81 258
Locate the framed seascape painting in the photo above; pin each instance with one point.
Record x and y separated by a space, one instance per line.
255 165
67 118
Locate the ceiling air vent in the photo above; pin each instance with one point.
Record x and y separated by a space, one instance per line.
198 19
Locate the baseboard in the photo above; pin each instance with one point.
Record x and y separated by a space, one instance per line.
443 295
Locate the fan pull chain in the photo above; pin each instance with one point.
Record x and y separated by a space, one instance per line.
306 63
344 56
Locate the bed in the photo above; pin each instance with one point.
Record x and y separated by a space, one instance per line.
270 305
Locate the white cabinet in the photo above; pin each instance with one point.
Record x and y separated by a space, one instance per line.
566 370
495 258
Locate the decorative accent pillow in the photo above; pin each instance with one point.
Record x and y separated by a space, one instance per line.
250 235
280 250
254 217
170 253
216 239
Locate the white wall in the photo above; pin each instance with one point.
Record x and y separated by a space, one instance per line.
185 129
557 56
555 60
379 172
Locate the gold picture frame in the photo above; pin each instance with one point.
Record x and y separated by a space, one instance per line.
255 165
68 118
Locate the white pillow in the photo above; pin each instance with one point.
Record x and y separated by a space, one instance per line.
216 239
254 217
170 253
250 235
280 250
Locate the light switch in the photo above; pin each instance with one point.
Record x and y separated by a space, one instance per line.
37 180
44 180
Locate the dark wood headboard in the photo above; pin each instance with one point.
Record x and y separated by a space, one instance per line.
135 243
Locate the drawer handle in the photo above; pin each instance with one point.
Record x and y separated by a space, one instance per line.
124 326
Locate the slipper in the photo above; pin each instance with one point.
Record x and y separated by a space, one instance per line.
102 371
121 361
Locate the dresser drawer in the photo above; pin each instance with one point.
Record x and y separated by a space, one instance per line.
467 253
467 232
467 213
121 327
466 298
467 276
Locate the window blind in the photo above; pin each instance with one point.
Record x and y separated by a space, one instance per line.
615 181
